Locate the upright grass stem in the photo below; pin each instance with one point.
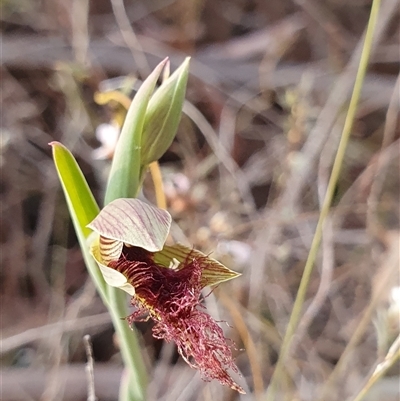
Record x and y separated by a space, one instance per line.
337 165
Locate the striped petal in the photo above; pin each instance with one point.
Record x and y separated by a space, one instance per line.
110 249
112 277
213 272
132 222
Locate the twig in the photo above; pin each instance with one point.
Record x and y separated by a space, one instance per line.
390 266
41 332
387 155
391 358
80 31
17 381
44 230
381 165
251 349
327 20
89 369
211 137
130 38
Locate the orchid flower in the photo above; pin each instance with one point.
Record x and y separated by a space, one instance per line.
165 283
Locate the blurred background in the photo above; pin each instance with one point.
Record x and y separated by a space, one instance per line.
244 179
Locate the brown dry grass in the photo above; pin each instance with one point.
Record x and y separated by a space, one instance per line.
266 100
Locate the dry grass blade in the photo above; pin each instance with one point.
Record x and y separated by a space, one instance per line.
244 182
130 38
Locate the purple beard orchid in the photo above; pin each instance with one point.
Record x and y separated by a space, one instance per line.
165 283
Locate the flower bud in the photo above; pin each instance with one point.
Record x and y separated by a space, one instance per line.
163 115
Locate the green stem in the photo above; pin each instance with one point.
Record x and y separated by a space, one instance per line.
133 387
129 346
301 294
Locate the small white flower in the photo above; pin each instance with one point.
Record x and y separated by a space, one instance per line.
107 134
395 295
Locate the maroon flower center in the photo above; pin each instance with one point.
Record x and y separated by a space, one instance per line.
171 297
162 290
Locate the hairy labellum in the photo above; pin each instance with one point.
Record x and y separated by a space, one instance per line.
165 282
171 297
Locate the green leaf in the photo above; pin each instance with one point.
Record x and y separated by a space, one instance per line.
81 204
80 200
163 115
213 272
133 222
125 174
